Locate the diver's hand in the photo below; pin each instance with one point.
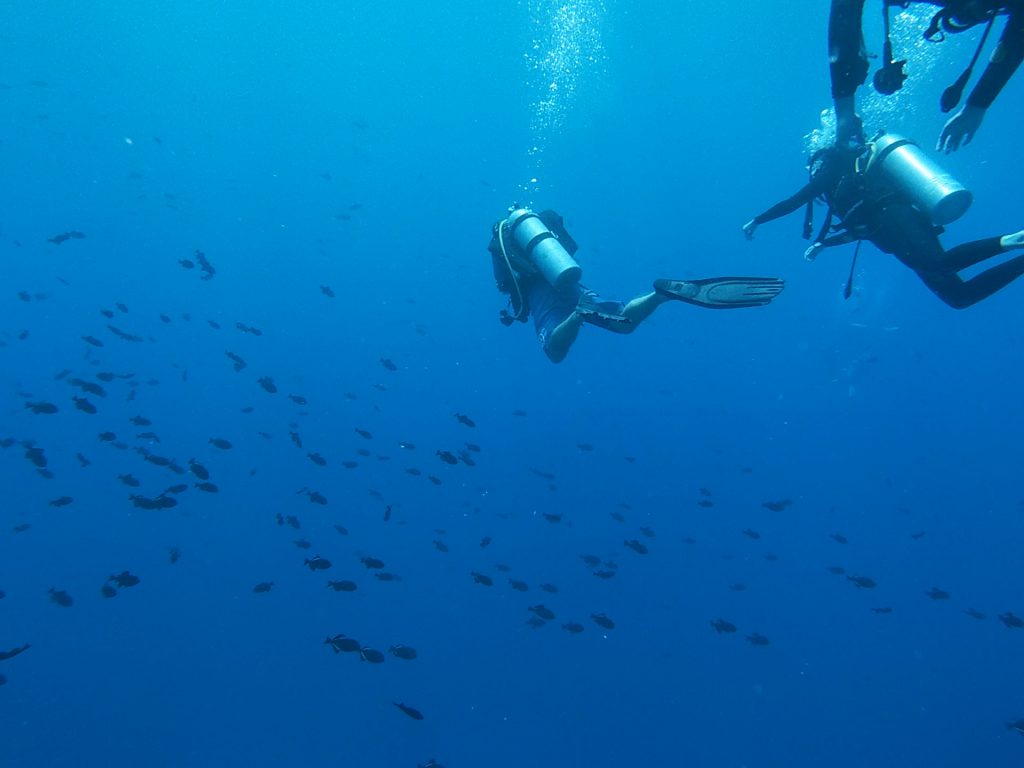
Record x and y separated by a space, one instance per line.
812 251
960 129
749 228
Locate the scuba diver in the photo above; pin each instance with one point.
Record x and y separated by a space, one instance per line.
848 62
890 193
532 256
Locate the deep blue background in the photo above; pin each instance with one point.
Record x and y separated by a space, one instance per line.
251 127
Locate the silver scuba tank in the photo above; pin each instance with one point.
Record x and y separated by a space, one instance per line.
902 163
541 247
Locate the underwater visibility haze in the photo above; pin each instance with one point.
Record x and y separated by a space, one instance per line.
278 488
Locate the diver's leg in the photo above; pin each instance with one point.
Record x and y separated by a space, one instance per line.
961 294
561 338
639 309
969 254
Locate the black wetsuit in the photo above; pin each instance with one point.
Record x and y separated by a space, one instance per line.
849 63
869 211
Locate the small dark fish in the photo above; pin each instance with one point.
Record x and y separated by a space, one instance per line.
937 594
405 652
917 536
293 521
343 586
152 436
317 563
298 399
364 434
542 612
371 655
738 587
327 291
296 439
82 461
551 589
647 531
386 576
758 639
173 555
125 579
573 627
63 501
21 527
721 625
480 578
302 544
751 533
636 546
221 443
106 437
464 419
885 609
777 506
268 384
263 587
341 529
838 537
317 498
61 598
387 513
440 546
140 421
198 470
388 364
343 644
187 263
862 582
5 655
65 236
372 563
415 714
705 503
42 407
503 568
604 574
551 517
92 340
435 480
108 591
602 621
448 457
1011 621
585 447
837 570
176 489
485 542
974 613
317 459
207 487
519 586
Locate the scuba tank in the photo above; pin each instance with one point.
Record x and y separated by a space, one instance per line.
904 165
538 244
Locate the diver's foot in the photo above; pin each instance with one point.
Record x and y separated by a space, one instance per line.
1009 242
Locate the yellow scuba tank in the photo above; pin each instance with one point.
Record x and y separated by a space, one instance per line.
538 244
904 165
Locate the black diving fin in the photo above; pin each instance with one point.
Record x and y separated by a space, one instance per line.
722 292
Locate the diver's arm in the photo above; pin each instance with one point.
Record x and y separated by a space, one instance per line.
784 207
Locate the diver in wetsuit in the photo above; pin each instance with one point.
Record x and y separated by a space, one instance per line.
871 206
532 258
849 65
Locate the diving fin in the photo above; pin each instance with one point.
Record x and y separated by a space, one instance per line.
722 292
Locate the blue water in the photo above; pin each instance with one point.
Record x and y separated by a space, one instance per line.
369 148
